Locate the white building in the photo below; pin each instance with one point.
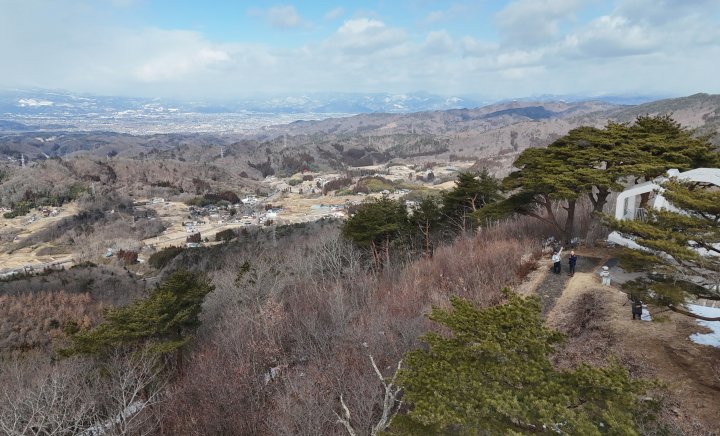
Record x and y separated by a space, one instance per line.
628 201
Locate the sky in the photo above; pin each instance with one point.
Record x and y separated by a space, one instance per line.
491 49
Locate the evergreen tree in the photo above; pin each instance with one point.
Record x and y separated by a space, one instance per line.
682 248
426 220
375 225
471 192
595 162
493 375
162 322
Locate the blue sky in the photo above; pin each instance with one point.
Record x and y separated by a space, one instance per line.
492 49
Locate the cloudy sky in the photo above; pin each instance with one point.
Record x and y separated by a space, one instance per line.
493 49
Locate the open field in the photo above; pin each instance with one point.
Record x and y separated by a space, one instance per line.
295 199
15 230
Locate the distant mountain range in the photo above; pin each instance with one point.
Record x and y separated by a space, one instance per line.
39 109
493 135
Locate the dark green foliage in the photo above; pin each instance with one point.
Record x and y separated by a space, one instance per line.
225 235
472 192
376 224
595 162
493 375
673 240
163 257
214 198
163 321
199 201
265 168
426 220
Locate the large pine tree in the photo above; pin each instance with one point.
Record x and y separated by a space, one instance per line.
594 162
682 249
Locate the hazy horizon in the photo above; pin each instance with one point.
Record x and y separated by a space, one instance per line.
485 49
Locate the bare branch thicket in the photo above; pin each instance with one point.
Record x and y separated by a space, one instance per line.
227 386
267 278
134 385
43 399
389 405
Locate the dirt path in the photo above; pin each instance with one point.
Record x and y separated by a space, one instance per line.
552 286
659 349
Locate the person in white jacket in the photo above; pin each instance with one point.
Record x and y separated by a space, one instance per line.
605 276
556 261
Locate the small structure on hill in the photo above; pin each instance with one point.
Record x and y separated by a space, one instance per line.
627 206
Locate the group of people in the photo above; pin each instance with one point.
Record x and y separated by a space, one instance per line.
572 262
637 305
557 260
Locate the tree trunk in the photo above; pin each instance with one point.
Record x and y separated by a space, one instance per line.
692 315
569 230
599 200
645 198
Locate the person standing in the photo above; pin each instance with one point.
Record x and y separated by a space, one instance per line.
572 261
605 275
556 261
637 309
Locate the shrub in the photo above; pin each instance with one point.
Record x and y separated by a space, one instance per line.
128 257
163 257
225 235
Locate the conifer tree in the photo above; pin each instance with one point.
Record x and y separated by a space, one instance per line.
471 192
162 322
426 219
375 225
682 248
595 162
494 375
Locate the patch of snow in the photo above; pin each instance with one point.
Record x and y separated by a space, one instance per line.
645 314
713 338
34 102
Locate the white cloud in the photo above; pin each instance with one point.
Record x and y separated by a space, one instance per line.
613 36
73 46
285 17
660 12
439 43
534 22
334 14
472 47
180 63
281 17
365 35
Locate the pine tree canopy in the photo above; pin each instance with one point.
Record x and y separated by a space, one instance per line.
493 375
163 320
683 247
376 222
594 162
471 192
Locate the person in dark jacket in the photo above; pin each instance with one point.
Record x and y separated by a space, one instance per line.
637 309
572 260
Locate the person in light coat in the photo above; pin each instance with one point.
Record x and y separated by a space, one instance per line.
605 276
556 259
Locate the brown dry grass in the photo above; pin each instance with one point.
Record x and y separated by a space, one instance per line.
599 325
33 321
